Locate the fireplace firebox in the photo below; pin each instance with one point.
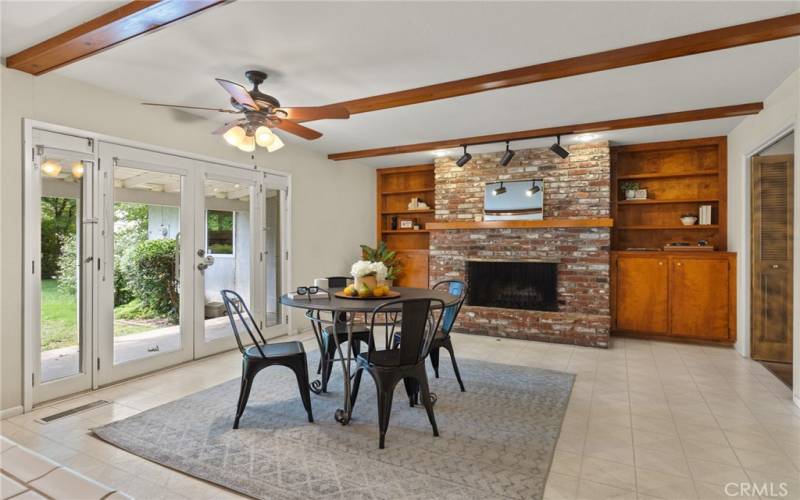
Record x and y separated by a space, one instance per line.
512 285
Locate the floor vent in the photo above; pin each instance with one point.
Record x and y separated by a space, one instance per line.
73 411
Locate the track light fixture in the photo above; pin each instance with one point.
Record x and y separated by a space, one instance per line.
557 149
533 189
499 191
506 159
464 158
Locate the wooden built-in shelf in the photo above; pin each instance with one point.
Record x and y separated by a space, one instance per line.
667 228
660 202
662 175
519 224
395 188
409 191
407 212
403 231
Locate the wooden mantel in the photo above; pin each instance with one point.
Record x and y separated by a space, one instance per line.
519 224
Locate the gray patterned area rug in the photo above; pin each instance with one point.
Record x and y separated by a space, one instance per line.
496 440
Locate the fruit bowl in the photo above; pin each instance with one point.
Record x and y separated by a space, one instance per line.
365 292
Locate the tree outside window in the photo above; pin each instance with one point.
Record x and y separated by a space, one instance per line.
219 232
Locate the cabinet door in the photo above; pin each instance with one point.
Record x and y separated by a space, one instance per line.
414 272
641 294
699 298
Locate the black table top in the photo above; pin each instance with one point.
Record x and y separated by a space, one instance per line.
367 305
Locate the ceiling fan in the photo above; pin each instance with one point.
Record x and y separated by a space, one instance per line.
262 113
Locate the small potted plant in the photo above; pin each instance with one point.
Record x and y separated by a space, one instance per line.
382 254
368 274
629 188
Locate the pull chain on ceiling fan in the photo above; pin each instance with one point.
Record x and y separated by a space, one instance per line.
262 113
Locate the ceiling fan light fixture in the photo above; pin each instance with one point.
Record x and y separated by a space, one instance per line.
276 144
234 136
51 168
248 144
264 136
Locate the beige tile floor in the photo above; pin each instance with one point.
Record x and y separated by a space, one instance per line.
646 420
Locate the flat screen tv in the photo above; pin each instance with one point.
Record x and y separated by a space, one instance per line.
514 200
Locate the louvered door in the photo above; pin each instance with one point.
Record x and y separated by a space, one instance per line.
771 314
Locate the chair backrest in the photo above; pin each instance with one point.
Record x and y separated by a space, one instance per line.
234 305
418 323
337 281
453 287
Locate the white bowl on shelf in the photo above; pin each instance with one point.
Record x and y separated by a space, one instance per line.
689 221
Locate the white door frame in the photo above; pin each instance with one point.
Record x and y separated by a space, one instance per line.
29 284
71 149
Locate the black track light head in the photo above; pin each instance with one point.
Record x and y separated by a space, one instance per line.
466 157
499 191
509 154
533 189
557 149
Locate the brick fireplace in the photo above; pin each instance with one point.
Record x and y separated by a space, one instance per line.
574 188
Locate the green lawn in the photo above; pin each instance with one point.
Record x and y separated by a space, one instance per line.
60 319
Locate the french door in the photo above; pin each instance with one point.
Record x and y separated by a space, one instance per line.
130 249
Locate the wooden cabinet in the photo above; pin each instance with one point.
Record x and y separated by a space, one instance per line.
682 295
642 294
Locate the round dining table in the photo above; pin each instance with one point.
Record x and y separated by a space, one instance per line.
352 308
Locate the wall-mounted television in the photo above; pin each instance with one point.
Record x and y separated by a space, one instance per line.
514 200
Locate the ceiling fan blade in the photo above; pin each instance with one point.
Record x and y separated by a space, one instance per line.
239 93
294 128
229 126
191 107
305 114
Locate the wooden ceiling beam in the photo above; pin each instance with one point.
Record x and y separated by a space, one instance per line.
686 45
583 128
112 28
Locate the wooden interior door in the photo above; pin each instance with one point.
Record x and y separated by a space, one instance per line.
641 294
698 308
771 313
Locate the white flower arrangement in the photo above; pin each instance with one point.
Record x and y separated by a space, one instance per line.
366 268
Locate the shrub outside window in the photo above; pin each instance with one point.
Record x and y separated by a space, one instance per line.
219 232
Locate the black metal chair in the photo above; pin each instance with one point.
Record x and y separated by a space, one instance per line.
400 361
261 355
442 337
327 348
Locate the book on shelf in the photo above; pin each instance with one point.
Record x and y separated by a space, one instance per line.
705 215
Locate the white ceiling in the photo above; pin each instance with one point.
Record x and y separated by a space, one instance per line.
317 53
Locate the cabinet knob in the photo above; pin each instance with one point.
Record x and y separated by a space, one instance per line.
660 263
775 266
679 264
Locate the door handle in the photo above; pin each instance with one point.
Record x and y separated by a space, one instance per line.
207 262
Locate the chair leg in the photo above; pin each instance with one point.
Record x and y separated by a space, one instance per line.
422 378
327 366
248 374
449 346
385 388
356 385
434 354
300 369
412 389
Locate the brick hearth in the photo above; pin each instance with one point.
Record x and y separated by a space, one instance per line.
577 187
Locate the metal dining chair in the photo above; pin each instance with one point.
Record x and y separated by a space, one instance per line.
327 347
442 337
405 360
261 354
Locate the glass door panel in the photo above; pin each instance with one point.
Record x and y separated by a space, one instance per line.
273 257
226 254
147 230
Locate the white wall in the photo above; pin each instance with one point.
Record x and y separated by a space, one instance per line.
326 231
779 116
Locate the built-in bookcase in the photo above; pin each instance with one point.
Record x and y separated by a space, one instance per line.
679 177
395 188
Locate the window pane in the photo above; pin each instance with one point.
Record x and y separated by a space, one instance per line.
60 268
147 218
220 232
